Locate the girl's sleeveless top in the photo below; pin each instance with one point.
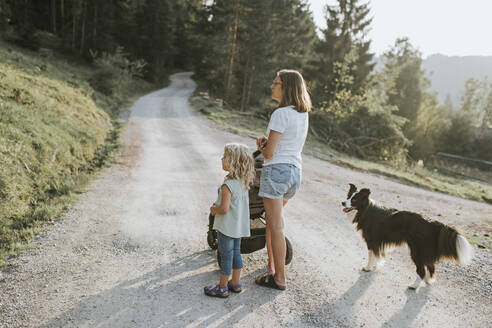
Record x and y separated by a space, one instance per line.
235 223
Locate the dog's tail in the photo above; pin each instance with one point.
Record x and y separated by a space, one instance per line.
453 246
464 249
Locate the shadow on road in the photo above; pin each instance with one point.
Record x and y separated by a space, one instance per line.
413 306
340 312
171 295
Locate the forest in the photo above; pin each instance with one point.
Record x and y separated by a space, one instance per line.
235 47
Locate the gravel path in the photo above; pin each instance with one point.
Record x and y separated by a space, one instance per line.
132 252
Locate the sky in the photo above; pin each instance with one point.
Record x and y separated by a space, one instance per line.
449 27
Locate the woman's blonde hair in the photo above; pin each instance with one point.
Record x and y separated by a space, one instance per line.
240 162
294 90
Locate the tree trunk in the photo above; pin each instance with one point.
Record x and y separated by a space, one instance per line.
251 79
62 12
53 16
94 30
233 49
27 8
245 83
82 36
74 30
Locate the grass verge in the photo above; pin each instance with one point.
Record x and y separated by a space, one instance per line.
56 131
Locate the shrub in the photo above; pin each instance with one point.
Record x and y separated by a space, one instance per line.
115 72
432 123
363 126
26 38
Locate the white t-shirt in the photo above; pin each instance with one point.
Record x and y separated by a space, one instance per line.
294 127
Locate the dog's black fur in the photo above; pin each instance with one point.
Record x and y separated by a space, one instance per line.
429 241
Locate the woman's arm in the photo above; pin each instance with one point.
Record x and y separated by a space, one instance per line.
273 139
225 202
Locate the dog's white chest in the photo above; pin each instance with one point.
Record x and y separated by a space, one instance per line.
351 216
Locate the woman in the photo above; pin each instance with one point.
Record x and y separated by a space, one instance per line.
281 173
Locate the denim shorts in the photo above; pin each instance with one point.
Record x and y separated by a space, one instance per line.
279 181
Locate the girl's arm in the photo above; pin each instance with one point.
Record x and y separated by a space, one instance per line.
225 202
273 139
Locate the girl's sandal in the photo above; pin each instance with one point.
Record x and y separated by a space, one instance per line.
269 281
234 288
216 291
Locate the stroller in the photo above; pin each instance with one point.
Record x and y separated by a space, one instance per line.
257 240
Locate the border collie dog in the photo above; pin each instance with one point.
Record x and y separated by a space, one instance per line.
429 241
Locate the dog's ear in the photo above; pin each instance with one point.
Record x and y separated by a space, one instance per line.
352 190
365 192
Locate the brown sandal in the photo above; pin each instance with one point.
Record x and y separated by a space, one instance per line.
268 281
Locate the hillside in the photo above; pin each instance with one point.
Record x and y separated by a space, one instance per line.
55 131
449 73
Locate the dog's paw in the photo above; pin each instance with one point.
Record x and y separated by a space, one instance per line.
366 269
430 281
416 285
416 289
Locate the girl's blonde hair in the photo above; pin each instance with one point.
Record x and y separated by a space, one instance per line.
240 162
294 90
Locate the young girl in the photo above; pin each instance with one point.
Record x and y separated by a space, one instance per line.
231 212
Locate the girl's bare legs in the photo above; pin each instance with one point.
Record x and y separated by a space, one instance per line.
275 222
223 280
268 236
236 276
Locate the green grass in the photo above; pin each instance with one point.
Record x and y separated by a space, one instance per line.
56 131
430 178
238 122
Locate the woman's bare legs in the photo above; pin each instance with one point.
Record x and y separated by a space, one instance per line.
275 225
268 235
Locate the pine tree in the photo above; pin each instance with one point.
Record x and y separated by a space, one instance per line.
5 15
487 109
187 38
155 22
294 41
255 49
448 103
472 99
347 28
404 79
217 45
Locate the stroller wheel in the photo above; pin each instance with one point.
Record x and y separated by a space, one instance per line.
212 234
212 239
288 251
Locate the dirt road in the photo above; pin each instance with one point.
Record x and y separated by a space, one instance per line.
133 253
